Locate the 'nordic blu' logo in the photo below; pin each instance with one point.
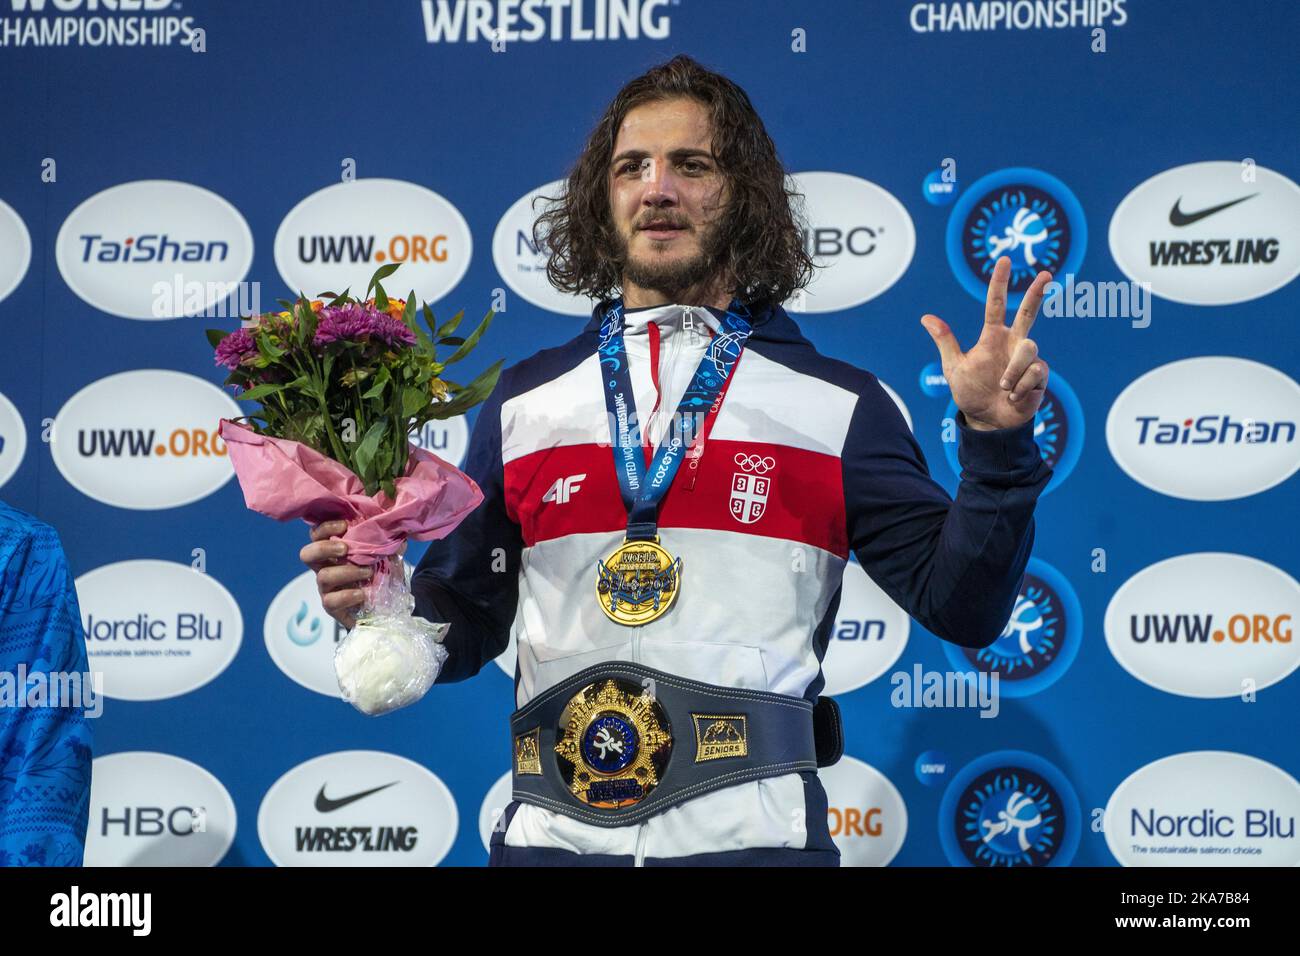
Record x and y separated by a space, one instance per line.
118 246
1025 214
1205 808
1207 429
144 440
337 236
1009 808
1058 430
1040 640
1210 233
157 629
1208 625
861 236
15 250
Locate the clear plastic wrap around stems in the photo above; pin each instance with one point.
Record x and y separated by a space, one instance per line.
391 657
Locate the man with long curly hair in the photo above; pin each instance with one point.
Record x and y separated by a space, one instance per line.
671 608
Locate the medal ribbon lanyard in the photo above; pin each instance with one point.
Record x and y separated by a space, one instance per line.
642 492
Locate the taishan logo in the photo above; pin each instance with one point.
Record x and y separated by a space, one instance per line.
457 21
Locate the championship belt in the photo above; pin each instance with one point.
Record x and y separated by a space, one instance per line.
640 579
620 742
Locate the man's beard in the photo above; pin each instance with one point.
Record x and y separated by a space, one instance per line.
676 275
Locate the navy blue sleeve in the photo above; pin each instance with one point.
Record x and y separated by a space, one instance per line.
470 579
45 736
954 565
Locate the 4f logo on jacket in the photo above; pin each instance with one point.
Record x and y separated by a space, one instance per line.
749 487
563 489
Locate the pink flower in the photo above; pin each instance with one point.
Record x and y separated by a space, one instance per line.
357 322
232 349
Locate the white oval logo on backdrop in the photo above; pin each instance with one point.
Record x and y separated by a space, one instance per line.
868 636
865 812
357 808
15 250
153 809
13 440
448 438
1205 808
521 265
338 236
1207 429
301 637
144 440
1202 625
859 232
157 629
1203 236
117 245
494 806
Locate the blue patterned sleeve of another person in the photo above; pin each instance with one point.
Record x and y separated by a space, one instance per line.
45 740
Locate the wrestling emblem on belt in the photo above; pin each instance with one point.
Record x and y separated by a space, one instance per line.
638 582
720 735
614 742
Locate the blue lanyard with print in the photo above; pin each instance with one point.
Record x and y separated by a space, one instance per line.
641 492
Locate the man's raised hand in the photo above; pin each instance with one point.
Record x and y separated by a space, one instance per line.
1000 382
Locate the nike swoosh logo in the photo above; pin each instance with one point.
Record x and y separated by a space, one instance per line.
325 805
1179 218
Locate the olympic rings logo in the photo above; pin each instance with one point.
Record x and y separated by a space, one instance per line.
754 463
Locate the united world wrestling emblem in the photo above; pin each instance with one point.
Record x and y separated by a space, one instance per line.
750 487
614 742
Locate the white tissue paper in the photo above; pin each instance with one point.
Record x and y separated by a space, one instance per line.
391 657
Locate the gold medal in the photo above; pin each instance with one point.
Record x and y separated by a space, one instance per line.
637 582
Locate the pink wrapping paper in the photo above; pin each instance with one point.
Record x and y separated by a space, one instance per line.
286 479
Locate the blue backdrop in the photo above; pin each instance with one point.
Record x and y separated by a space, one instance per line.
285 91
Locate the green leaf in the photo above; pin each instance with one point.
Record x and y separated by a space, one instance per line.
368 447
268 349
408 314
260 392
383 272
451 324
382 378
215 336
414 399
472 394
468 345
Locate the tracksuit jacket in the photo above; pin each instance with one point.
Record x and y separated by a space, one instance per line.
758 598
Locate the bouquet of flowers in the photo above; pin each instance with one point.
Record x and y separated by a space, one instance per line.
342 383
